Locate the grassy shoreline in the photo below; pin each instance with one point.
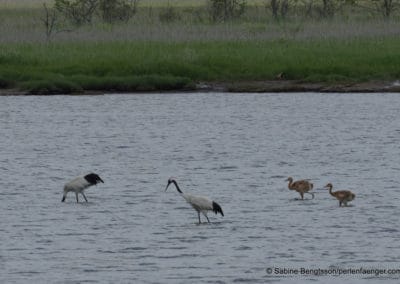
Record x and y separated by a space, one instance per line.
159 66
251 53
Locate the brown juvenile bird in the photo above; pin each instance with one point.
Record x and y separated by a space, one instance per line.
343 196
301 186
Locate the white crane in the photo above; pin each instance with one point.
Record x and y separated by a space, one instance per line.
79 184
201 204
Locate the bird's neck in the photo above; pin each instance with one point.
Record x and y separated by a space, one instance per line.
330 191
177 187
290 184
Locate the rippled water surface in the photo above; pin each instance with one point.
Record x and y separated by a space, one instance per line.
238 149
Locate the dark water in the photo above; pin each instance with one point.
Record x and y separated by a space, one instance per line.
235 148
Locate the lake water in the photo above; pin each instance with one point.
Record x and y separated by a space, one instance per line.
238 149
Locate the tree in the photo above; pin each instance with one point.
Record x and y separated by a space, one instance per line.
222 10
117 10
52 22
386 7
328 8
279 8
81 12
49 20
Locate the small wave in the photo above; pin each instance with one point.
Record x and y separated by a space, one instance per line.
242 247
124 250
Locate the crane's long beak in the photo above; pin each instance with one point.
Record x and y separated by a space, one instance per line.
101 180
167 186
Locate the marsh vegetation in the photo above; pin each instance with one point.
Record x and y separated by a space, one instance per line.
163 45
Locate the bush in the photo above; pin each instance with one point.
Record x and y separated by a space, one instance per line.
222 10
4 83
169 15
81 12
117 10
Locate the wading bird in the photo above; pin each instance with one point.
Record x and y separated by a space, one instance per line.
301 186
343 196
79 184
199 203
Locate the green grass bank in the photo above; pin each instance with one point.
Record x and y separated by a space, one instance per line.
40 68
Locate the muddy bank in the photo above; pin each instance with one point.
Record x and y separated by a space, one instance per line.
274 86
297 86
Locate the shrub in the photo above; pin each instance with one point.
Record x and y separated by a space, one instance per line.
222 10
117 10
169 15
81 12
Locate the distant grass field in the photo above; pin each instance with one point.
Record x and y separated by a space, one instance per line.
143 3
74 67
22 3
146 53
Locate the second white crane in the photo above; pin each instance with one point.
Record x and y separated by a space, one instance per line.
201 204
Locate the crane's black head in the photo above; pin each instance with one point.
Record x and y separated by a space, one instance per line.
93 178
217 209
172 180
